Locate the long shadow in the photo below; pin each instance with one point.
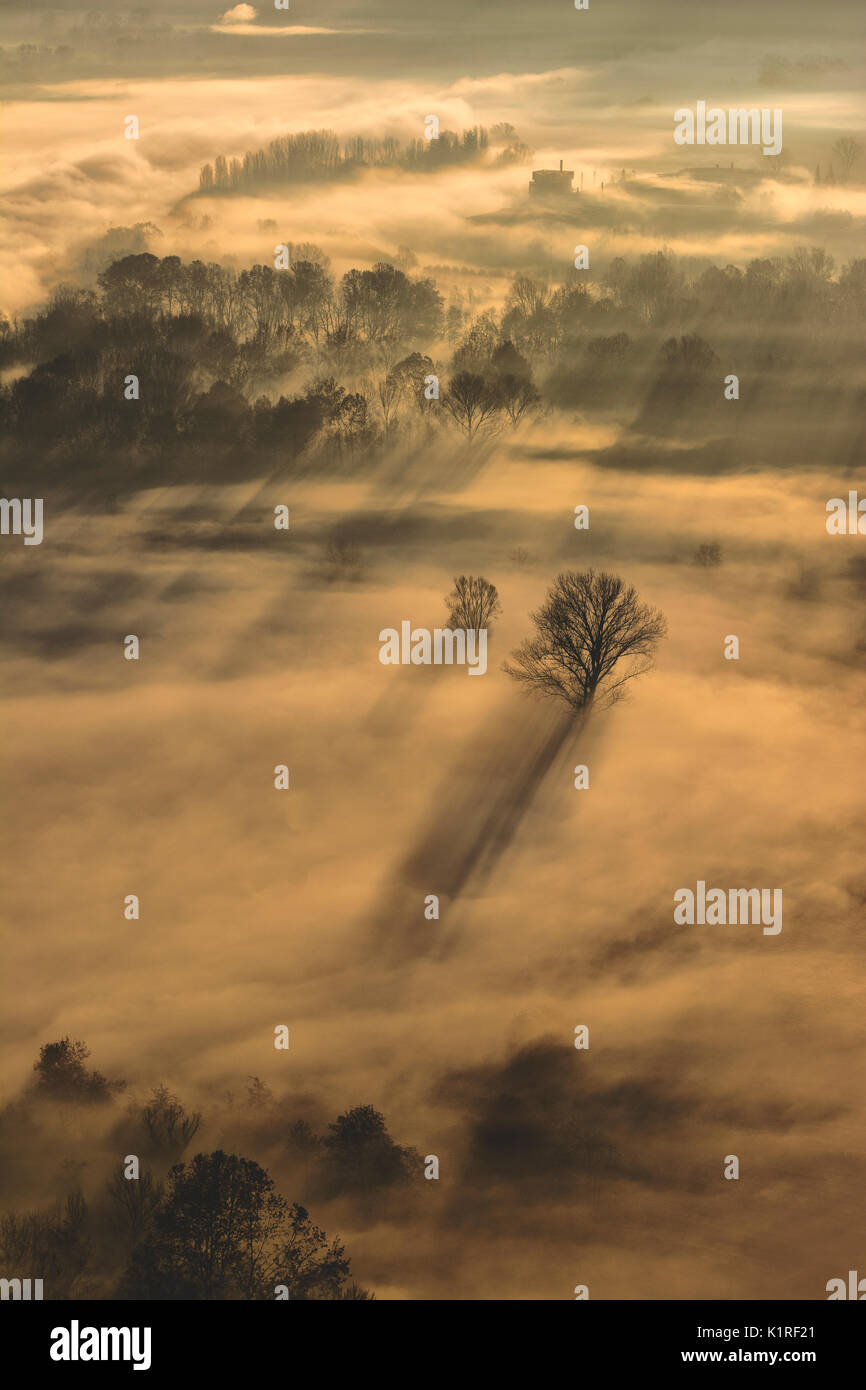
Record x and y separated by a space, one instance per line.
478 811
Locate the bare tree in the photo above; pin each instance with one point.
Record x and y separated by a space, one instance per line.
847 151
259 1095
405 381
472 603
592 636
344 561
708 555
472 402
388 391
517 395
54 1244
521 557
136 1198
168 1125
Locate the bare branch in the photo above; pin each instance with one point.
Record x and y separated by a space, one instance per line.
588 625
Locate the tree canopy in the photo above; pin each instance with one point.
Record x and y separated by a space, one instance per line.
592 636
222 1232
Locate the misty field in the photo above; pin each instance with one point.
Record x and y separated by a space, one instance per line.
286 376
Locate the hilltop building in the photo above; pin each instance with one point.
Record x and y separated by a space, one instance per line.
551 184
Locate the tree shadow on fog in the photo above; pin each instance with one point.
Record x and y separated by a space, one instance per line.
477 813
592 636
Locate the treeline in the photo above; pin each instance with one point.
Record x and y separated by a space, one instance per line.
201 342
160 1224
182 367
382 305
319 154
384 309
656 290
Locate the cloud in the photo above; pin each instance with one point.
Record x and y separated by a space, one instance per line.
238 22
238 14
275 30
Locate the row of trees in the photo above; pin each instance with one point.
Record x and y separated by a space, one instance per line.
381 305
319 154
656 289
356 1153
52 404
143 319
208 344
384 306
302 307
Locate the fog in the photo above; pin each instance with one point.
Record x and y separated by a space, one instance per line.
260 647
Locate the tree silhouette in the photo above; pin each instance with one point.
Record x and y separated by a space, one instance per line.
389 308
318 154
223 1232
207 340
477 346
472 603
360 1155
505 360
847 151
169 1127
389 392
612 349
308 1264
209 1233
344 560
655 285
708 555
689 354
349 425
408 378
530 316
137 1199
301 1139
134 282
592 637
521 557
259 1095
472 402
517 395
62 1075
51 1245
